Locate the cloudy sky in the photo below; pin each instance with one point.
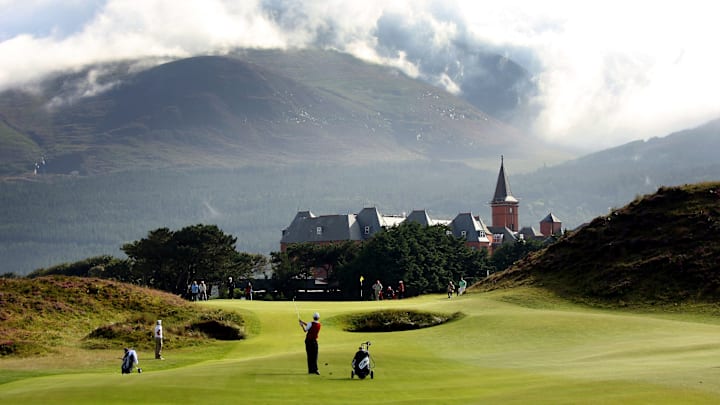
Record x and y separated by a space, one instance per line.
608 72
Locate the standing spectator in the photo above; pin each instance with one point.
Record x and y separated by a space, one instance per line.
312 330
203 291
231 287
377 290
248 291
461 286
158 340
450 289
194 290
401 290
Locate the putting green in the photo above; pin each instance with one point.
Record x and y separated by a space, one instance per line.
511 347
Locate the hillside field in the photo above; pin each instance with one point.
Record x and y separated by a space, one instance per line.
512 346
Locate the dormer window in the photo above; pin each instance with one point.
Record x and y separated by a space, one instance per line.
481 234
367 230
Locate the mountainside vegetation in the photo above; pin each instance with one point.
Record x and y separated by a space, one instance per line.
239 110
580 189
662 248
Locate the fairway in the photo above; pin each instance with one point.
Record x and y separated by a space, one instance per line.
510 347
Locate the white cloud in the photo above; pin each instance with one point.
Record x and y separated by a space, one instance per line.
609 71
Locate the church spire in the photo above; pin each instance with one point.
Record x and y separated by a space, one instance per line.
502 189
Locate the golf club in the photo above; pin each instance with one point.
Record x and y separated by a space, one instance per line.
296 308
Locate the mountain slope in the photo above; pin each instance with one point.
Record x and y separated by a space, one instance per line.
661 248
581 189
244 109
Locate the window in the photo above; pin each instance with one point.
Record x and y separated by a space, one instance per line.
318 230
481 234
367 230
463 233
448 233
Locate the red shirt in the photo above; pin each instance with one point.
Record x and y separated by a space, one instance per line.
313 331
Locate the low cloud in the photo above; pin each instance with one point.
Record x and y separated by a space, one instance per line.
604 73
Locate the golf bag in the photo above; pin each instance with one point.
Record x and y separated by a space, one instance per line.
362 364
129 361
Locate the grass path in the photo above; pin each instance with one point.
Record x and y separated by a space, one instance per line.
511 347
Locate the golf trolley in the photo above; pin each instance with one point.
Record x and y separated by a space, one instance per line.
362 364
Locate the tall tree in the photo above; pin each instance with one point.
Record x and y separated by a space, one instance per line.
171 260
426 258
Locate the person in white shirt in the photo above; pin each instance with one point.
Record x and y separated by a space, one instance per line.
158 333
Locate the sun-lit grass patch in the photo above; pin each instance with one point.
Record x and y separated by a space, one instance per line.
511 346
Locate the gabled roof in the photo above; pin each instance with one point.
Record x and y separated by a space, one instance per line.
529 232
420 216
508 235
502 188
325 228
474 229
551 218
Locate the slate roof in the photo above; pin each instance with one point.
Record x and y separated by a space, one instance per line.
551 218
528 232
508 236
307 227
324 228
473 227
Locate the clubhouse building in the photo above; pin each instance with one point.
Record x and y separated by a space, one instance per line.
307 227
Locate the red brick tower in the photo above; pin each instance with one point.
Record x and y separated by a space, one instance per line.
503 205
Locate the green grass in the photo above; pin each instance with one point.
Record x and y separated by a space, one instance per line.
519 346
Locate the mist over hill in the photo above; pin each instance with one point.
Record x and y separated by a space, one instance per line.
251 107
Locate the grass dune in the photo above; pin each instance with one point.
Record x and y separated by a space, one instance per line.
519 346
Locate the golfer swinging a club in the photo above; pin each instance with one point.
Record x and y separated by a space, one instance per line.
312 330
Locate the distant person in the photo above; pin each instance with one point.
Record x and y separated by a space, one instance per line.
203 291
129 361
158 334
312 330
401 290
377 290
389 293
461 286
194 290
248 291
450 289
231 287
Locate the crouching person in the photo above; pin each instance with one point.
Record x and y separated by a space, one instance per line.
130 361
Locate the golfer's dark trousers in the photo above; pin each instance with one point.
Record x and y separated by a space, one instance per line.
311 348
